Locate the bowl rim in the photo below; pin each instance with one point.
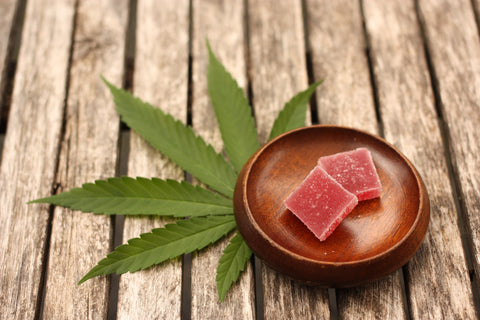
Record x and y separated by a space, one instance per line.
297 256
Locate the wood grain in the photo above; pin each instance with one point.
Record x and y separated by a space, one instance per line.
222 23
62 116
437 276
381 299
7 25
161 78
88 152
454 47
30 151
277 53
346 98
278 71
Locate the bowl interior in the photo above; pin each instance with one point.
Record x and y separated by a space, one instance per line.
372 228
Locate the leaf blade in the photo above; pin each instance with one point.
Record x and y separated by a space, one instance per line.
163 244
231 264
233 112
175 140
293 114
142 196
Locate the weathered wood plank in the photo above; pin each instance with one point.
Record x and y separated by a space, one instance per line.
7 24
454 47
437 276
222 23
88 152
161 78
277 53
30 152
278 71
380 299
346 98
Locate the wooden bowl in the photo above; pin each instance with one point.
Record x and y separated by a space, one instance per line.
376 238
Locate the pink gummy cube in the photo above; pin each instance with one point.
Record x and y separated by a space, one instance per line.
320 203
355 171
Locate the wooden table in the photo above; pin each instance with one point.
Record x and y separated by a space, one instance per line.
408 71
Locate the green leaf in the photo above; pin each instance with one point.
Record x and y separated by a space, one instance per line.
162 244
233 112
176 141
231 264
142 196
294 112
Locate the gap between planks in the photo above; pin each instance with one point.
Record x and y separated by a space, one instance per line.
255 261
123 150
309 65
186 292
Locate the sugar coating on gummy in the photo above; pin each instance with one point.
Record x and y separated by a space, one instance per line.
355 171
321 203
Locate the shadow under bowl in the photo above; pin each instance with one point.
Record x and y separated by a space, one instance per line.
376 238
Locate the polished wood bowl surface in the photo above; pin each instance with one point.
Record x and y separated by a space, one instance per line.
376 238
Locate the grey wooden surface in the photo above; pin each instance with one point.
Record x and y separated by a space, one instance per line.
405 70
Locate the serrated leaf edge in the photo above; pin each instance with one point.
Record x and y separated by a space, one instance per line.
113 185
225 222
234 259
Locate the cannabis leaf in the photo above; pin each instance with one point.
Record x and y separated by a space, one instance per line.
231 264
233 112
162 244
142 196
294 112
210 213
176 141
